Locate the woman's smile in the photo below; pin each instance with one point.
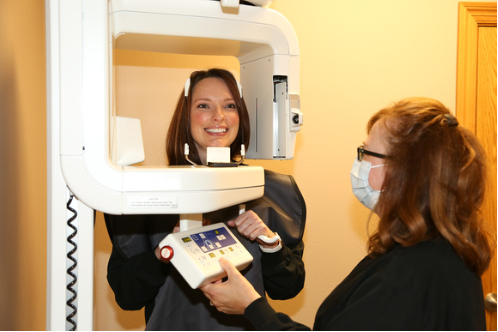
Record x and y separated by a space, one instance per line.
217 131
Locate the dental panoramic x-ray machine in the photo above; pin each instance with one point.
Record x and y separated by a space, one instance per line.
90 148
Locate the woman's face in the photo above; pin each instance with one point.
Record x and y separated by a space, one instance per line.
376 142
214 118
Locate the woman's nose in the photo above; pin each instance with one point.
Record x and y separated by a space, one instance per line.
219 114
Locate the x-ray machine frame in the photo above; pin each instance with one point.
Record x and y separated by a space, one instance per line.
82 178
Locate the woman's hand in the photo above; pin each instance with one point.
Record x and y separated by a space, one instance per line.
232 296
251 226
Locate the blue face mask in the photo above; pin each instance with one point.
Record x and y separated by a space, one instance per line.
359 181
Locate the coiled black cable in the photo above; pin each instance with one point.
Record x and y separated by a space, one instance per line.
70 254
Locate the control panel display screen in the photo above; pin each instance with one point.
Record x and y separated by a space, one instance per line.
212 239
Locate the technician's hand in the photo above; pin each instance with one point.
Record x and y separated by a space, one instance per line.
232 296
251 226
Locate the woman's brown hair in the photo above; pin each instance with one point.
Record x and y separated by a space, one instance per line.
179 129
435 182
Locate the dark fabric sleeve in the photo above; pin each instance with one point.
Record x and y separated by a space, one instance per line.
134 273
283 209
136 280
283 272
264 318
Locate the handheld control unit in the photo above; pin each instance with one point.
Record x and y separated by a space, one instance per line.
195 253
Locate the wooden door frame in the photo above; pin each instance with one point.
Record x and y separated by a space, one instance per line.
472 16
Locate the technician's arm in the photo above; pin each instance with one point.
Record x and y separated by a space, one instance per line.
264 318
237 296
135 281
283 272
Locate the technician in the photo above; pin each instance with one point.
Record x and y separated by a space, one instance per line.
210 113
424 175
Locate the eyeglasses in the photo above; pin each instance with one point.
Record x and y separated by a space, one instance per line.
362 152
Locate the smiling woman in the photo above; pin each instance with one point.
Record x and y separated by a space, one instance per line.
214 118
210 112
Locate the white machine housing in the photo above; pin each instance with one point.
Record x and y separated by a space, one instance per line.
264 43
85 148
196 253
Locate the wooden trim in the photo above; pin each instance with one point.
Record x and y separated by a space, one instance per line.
471 16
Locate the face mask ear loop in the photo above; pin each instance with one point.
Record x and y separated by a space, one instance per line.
186 149
377 166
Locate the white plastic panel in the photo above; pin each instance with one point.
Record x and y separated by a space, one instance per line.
245 40
70 74
128 146
275 134
194 18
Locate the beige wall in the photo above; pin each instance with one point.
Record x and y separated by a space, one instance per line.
23 165
355 58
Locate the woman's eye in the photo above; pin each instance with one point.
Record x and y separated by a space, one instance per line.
230 106
202 106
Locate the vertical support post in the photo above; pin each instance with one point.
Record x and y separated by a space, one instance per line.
57 233
56 188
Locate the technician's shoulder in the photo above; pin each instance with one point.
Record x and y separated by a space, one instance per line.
428 257
422 287
450 294
433 261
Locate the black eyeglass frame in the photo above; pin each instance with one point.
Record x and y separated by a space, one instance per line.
362 151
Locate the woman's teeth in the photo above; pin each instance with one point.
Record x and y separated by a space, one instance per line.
217 130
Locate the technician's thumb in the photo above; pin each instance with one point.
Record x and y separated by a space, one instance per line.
229 268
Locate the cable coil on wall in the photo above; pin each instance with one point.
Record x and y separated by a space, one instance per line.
70 254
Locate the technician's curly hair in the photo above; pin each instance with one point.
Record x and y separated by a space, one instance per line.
435 182
179 129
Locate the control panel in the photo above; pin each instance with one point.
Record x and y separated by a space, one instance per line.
195 253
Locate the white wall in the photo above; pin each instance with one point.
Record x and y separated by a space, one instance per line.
356 57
